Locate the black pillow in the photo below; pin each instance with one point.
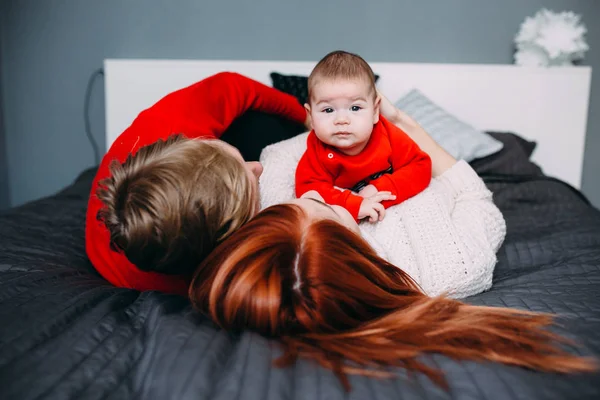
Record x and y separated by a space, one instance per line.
512 159
296 85
255 130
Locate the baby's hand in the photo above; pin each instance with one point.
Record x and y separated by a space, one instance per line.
368 191
372 208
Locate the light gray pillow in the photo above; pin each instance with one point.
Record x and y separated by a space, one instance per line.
458 138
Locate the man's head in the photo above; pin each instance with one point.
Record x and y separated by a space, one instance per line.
343 102
170 204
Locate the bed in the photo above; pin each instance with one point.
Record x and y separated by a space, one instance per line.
66 333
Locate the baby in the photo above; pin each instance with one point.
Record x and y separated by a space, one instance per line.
355 158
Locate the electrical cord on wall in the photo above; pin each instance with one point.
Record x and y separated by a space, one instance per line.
86 114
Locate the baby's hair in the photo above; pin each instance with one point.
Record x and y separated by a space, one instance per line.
170 204
342 65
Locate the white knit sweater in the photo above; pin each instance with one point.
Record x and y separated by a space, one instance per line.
445 238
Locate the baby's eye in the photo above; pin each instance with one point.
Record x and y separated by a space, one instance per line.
355 108
328 110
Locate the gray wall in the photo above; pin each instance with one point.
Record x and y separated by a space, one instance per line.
52 46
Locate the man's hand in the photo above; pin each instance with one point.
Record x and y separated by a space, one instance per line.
372 208
368 191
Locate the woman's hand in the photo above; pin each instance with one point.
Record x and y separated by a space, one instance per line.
387 109
394 114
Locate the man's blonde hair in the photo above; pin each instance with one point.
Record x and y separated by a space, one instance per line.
171 203
341 64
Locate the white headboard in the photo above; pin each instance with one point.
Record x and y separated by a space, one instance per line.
548 105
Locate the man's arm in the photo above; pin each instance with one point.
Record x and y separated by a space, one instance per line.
232 94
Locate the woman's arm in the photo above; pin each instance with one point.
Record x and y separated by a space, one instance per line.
454 229
446 237
441 160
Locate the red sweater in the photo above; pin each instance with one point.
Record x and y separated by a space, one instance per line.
322 167
204 109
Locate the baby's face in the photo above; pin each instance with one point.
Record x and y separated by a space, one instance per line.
343 113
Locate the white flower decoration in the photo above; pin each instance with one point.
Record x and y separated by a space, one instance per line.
529 30
550 38
532 57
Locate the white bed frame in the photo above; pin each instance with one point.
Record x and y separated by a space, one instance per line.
548 105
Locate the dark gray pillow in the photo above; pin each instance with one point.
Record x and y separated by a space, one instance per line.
513 159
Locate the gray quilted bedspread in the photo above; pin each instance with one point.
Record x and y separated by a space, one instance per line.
65 333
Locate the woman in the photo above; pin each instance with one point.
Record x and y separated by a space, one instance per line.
301 273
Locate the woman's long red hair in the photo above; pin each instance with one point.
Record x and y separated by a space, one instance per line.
326 295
